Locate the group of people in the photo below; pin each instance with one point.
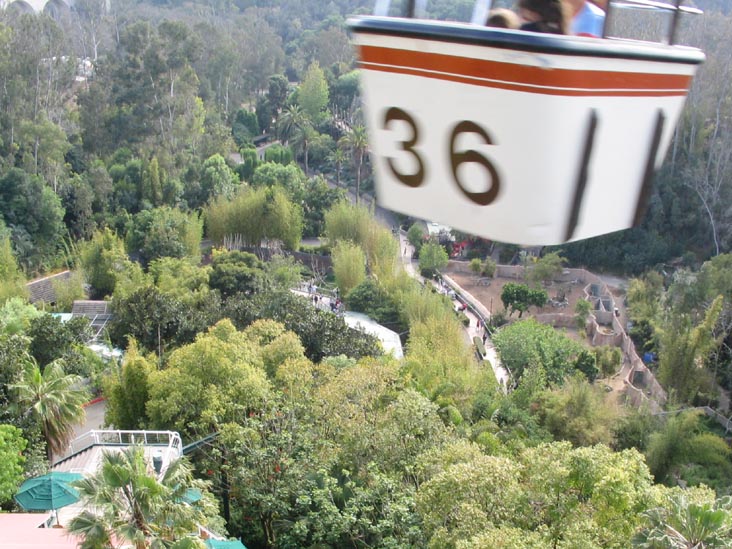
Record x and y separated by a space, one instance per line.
577 17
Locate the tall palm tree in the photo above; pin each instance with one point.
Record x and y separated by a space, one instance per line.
123 501
338 157
294 125
56 400
357 143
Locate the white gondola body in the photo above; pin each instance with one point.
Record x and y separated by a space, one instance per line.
526 116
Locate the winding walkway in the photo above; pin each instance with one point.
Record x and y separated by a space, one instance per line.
474 329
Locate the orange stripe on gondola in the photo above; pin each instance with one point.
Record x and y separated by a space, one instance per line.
511 76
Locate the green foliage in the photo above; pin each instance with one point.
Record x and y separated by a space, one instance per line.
16 315
528 343
475 266
609 359
313 93
683 350
682 523
582 310
249 163
680 445
415 236
55 400
254 216
432 258
217 379
12 281
288 176
321 332
158 320
12 445
347 222
319 198
51 338
130 503
217 179
577 412
182 278
101 258
546 268
165 232
127 391
279 154
69 290
245 127
234 272
33 214
519 297
349 266
372 300
488 268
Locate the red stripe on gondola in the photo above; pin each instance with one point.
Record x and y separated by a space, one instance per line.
515 77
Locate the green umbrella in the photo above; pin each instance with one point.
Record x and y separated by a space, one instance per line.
48 492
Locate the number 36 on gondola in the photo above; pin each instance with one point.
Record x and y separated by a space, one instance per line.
517 137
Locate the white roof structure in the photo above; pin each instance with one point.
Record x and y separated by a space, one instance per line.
389 338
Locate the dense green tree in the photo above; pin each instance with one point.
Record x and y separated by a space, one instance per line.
219 378
217 179
12 281
55 400
684 349
681 446
12 445
432 258
415 236
577 412
288 176
157 320
349 266
319 198
34 215
127 390
245 127
277 91
546 268
101 259
519 297
312 95
371 299
322 333
234 272
52 338
527 343
165 232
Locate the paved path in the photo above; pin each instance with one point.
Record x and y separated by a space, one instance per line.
474 329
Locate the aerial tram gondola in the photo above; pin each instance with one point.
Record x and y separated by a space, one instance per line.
519 137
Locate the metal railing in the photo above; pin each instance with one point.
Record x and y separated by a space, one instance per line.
169 439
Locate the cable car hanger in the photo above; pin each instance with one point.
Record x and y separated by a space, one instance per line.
517 136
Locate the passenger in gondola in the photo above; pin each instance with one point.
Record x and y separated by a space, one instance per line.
502 18
549 16
588 19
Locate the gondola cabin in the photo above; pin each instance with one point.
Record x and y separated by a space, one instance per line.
519 137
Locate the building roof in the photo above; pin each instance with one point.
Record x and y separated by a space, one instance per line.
23 531
98 312
389 338
42 290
